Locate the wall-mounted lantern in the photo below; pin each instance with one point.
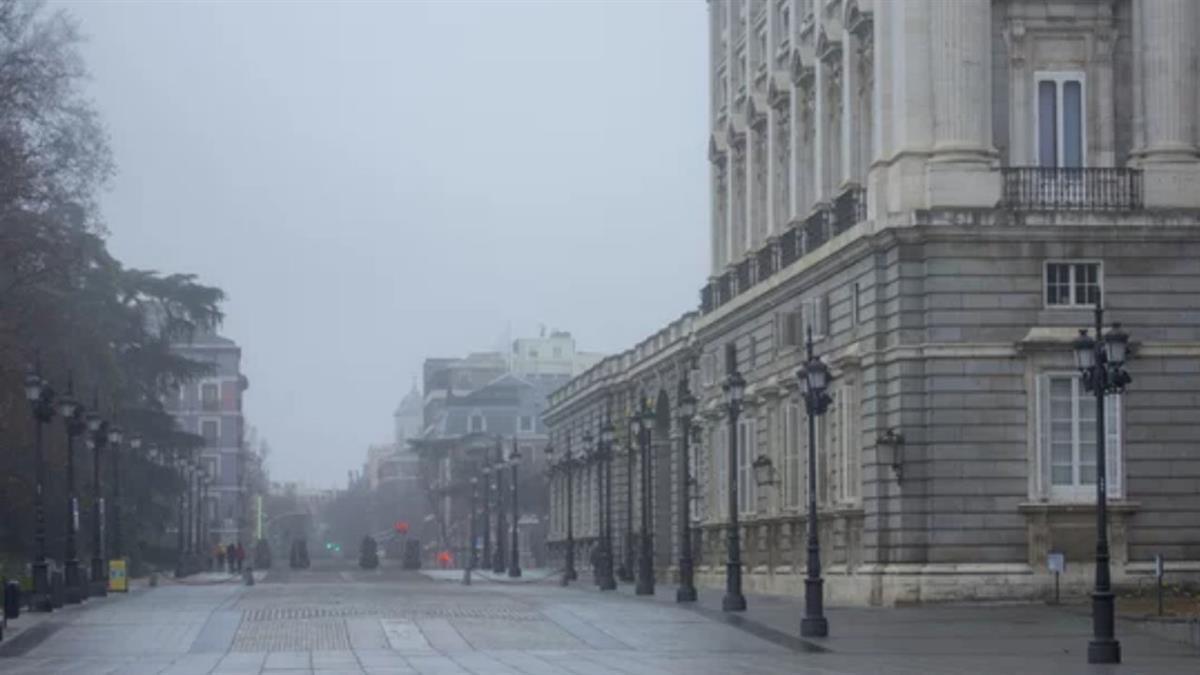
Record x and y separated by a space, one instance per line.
764 471
894 440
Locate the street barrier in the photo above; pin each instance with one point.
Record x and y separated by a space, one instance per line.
12 600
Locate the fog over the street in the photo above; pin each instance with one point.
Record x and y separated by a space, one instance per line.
377 182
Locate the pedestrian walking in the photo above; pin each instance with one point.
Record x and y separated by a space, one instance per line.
231 556
241 556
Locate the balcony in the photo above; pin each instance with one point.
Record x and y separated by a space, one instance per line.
1075 189
849 209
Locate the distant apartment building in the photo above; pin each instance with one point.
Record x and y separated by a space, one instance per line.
211 407
553 355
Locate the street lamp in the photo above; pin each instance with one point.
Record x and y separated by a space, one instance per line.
567 464
645 576
606 582
514 564
97 438
73 416
591 457
735 391
116 436
687 411
625 571
471 532
498 562
181 507
41 400
814 377
1100 363
487 511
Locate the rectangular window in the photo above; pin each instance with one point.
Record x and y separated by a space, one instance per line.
525 423
793 462
1061 136
477 423
1073 284
848 443
788 330
211 431
210 399
211 466
745 458
721 463
816 317
1068 438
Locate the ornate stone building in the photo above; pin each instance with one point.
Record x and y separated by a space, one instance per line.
940 190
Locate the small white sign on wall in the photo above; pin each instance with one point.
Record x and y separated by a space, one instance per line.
1056 561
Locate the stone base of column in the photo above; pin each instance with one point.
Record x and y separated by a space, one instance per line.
954 183
905 182
1171 185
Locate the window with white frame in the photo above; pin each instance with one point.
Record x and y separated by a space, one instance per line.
210 430
793 463
721 470
1060 106
1068 438
746 485
1073 283
210 396
848 450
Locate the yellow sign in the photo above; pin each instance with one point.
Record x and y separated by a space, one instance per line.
118 582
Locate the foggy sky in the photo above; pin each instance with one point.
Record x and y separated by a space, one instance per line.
373 183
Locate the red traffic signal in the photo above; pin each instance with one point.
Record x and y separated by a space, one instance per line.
401 527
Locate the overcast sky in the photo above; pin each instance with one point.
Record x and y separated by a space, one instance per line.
373 183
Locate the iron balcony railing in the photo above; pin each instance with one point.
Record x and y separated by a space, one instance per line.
849 209
789 251
764 262
1075 189
744 280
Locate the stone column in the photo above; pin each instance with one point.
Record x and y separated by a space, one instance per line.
962 171
881 113
1166 44
906 70
851 115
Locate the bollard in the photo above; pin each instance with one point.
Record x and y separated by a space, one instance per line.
12 600
58 590
248 576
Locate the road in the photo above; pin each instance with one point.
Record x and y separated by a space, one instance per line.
337 618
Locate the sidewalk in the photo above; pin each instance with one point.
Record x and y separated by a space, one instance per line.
1006 638
528 576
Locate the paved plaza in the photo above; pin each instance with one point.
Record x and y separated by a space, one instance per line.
338 619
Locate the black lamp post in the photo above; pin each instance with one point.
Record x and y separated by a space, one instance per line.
41 399
514 558
591 456
1101 364
735 388
98 438
487 512
181 509
814 377
72 413
116 436
202 513
687 582
471 558
606 582
625 571
645 576
197 508
498 562
566 465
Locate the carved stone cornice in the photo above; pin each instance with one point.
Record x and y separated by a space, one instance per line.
718 147
802 73
779 91
861 24
756 111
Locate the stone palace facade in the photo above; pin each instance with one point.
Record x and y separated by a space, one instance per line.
941 190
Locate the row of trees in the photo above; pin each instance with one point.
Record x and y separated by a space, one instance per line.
66 301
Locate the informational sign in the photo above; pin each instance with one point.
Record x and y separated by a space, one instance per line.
118 582
401 527
1159 566
1057 562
